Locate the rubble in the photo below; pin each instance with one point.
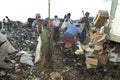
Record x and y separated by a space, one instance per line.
93 63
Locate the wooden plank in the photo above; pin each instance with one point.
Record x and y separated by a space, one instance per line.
92 61
90 66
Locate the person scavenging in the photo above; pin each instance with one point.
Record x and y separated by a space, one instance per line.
69 35
85 30
46 48
56 27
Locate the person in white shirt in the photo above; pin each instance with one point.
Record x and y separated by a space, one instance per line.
56 27
68 19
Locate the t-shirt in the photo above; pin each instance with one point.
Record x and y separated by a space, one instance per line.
56 22
86 21
69 21
72 29
47 44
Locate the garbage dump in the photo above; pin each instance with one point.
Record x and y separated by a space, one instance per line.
97 59
66 64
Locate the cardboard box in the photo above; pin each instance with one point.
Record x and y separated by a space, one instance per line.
98 39
91 62
90 66
101 18
103 59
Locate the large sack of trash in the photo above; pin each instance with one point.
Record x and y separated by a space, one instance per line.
5 47
38 50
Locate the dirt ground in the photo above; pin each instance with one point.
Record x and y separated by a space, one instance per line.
66 66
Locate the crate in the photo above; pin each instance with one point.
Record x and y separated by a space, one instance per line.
101 18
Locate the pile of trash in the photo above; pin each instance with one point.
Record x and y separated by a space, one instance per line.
22 37
16 53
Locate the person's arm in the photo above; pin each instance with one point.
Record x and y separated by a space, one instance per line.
39 28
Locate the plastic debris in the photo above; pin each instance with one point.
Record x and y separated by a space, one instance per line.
25 57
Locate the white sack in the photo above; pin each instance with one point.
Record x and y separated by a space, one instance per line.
38 50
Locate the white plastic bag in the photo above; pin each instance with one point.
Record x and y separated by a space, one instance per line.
80 50
25 57
38 52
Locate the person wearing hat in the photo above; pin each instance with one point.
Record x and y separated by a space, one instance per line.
37 23
85 30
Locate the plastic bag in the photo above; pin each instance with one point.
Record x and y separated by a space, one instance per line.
25 57
38 52
80 50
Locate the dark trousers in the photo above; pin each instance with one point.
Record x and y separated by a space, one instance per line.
56 33
83 36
